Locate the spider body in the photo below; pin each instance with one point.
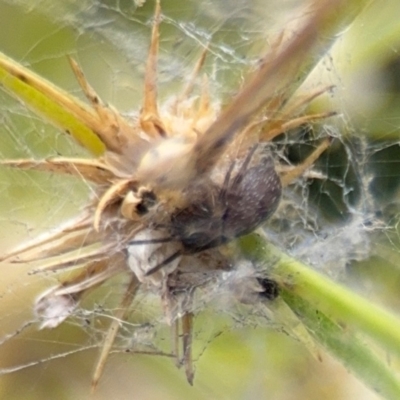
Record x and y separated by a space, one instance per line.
219 215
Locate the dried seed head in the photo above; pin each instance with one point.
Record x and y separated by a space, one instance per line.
169 193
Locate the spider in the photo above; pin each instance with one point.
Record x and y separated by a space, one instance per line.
216 215
172 187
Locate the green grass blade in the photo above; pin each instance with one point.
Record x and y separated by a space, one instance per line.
333 314
20 83
347 347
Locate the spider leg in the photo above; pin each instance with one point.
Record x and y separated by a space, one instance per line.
225 185
169 259
120 315
245 164
151 241
243 168
288 177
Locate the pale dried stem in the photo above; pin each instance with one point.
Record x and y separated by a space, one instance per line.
78 257
111 128
113 194
150 119
91 276
300 102
91 170
296 122
119 316
187 336
80 227
187 90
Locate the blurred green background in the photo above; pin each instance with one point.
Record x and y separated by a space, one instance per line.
110 41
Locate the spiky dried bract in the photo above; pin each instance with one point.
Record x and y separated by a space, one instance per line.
171 186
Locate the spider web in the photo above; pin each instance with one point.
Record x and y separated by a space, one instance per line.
341 219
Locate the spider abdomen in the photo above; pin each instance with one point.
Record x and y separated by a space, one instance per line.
253 199
219 215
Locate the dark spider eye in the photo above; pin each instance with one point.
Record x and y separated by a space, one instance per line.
271 289
149 199
141 209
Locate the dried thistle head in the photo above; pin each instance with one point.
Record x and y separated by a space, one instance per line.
173 185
